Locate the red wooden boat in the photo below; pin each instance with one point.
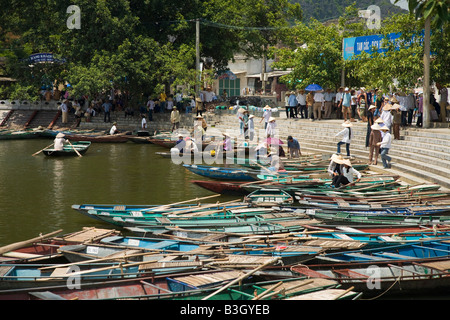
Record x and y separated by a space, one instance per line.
222 187
115 138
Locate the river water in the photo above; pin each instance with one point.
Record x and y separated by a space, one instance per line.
37 192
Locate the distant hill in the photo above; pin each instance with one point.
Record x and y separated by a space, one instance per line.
325 10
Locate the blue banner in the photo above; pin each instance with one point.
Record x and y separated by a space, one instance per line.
357 45
44 57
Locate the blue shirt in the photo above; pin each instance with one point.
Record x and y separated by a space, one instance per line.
292 100
107 106
293 144
346 99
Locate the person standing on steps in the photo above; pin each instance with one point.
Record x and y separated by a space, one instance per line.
346 139
385 145
374 139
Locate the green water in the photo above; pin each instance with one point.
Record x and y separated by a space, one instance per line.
37 192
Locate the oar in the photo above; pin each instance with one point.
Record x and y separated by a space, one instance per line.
75 149
172 204
43 149
21 244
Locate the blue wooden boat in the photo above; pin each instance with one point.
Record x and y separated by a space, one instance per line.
222 173
415 251
374 239
15 276
350 217
150 249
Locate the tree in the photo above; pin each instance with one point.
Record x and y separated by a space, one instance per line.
436 12
314 57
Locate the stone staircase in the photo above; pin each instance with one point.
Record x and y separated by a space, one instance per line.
422 154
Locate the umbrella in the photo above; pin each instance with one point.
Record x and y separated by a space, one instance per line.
313 87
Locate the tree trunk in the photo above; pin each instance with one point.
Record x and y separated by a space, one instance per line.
426 75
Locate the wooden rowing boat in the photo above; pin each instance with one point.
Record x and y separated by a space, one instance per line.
269 198
388 279
380 219
69 149
222 173
105 138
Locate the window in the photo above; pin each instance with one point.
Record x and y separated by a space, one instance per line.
233 87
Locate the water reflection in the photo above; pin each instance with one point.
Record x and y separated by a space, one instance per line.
36 193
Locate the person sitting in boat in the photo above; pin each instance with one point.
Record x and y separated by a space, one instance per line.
227 143
60 141
180 144
191 146
347 175
275 162
114 129
335 166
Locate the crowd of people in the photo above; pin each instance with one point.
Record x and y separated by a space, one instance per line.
353 104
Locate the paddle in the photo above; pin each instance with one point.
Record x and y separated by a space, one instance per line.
75 149
21 244
175 203
43 149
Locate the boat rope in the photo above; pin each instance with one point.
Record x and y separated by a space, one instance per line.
385 291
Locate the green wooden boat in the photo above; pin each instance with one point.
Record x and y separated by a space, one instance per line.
381 219
69 149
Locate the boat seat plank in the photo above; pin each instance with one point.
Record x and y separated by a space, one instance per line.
89 234
163 220
46 295
392 255
363 256
350 273
310 273
4 270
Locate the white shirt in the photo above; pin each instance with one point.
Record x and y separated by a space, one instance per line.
386 116
59 143
267 114
301 99
332 167
339 96
151 104
144 123
113 130
319 97
386 142
328 96
251 125
350 173
346 136
64 107
402 103
271 126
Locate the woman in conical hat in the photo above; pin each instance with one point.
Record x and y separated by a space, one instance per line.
60 141
346 135
347 175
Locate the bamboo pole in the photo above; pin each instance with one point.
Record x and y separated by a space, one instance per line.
246 275
21 244
181 202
